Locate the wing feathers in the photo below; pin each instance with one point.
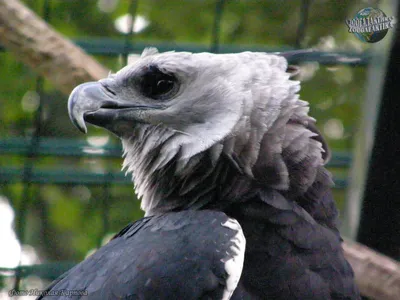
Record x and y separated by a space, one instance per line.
183 255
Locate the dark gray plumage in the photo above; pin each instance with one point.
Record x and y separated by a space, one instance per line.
223 133
188 246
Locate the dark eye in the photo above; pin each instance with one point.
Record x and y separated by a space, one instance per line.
157 85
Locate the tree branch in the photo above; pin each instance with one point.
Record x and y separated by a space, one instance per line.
65 65
377 276
39 46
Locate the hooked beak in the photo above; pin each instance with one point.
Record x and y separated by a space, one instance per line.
94 103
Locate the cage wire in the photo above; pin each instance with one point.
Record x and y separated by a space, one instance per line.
37 145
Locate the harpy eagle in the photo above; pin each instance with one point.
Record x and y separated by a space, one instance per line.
230 171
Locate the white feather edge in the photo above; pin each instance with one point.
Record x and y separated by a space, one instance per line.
234 266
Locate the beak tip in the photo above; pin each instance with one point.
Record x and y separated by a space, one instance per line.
83 129
79 123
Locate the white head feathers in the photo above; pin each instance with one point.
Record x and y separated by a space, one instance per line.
243 106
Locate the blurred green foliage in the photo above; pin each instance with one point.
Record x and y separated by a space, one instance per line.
65 222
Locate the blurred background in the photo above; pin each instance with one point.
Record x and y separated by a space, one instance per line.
62 194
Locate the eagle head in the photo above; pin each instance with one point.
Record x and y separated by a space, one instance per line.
185 120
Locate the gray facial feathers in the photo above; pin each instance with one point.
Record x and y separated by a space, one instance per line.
237 109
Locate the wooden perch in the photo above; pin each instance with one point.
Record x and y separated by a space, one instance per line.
65 65
47 52
377 276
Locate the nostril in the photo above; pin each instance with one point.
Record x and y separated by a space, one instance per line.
108 89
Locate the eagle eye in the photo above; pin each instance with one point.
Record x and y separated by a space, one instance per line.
157 85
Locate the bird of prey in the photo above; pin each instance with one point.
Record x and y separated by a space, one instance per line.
230 170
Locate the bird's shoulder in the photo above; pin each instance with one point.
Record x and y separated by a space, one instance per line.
290 254
177 255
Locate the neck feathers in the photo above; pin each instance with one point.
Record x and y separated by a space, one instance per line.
289 158
271 143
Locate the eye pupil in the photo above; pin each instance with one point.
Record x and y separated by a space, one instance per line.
164 86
